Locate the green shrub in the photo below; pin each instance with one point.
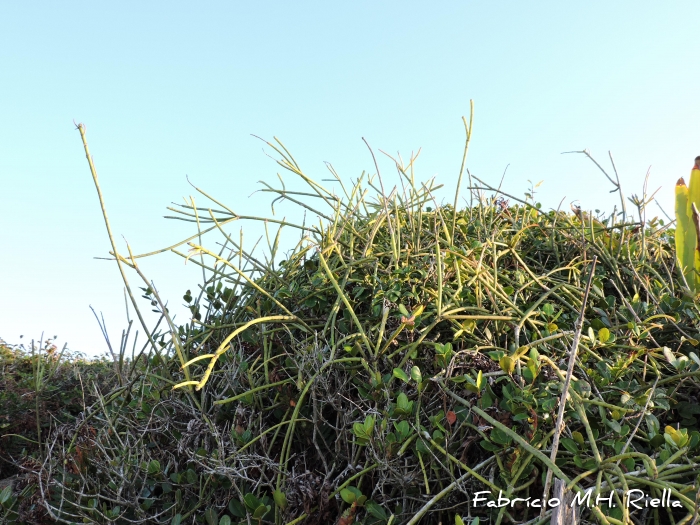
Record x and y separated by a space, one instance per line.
41 388
404 356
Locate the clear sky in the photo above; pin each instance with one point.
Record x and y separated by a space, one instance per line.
174 89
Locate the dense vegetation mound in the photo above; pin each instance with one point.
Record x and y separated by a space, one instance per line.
405 356
41 387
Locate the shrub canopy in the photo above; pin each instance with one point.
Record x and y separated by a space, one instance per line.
404 356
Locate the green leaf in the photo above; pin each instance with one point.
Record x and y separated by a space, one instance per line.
236 508
261 511
614 425
591 335
589 464
657 440
153 467
487 445
280 499
603 335
486 400
474 385
251 501
177 519
402 430
191 476
496 355
570 445
500 437
534 355
211 516
469 325
694 439
359 430
506 364
400 374
375 510
403 405
369 425
348 496
5 494
416 374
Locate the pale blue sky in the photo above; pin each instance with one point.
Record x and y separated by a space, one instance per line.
174 89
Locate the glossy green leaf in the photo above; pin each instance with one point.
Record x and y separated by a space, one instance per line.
400 374
416 374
